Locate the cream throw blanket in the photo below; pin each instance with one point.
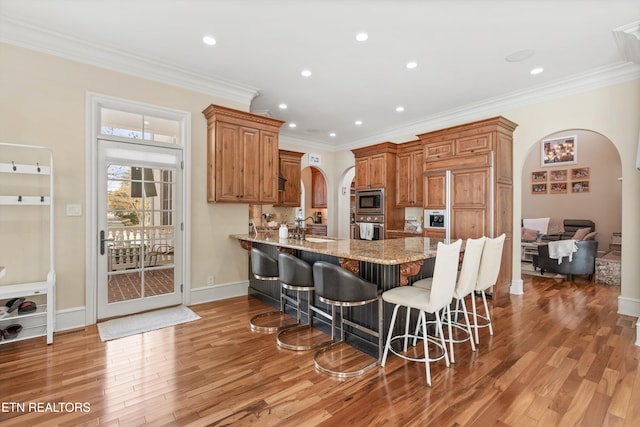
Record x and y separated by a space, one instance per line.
562 248
540 224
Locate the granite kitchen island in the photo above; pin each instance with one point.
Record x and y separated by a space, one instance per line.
388 263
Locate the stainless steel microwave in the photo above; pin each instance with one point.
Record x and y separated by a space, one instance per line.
370 202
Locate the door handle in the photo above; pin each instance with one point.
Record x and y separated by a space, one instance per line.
102 240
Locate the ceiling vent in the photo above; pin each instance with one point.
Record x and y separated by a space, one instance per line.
628 41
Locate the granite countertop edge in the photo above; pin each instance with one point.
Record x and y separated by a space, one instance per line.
385 252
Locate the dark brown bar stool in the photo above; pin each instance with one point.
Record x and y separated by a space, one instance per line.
340 288
265 267
296 275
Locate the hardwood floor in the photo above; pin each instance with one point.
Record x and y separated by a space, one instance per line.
560 356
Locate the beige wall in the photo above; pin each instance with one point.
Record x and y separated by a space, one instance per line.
602 204
43 102
613 112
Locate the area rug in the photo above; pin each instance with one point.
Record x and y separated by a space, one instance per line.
144 322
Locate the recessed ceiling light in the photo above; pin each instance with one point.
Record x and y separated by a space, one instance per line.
519 55
292 125
306 73
399 108
282 106
208 40
332 134
411 65
362 37
358 122
536 70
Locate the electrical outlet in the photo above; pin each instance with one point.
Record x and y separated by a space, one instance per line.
210 280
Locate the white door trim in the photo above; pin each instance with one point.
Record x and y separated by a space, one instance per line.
94 102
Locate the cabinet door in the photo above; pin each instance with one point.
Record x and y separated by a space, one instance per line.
362 173
319 189
229 155
377 171
474 144
404 179
470 203
438 150
435 186
418 178
250 166
290 169
268 167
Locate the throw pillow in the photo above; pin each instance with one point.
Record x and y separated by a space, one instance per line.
555 226
591 236
529 234
581 233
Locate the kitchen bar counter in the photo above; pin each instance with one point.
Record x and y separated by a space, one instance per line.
384 252
388 263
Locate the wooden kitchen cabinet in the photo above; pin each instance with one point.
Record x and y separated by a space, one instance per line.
479 158
375 166
435 185
317 229
242 156
318 189
290 169
409 179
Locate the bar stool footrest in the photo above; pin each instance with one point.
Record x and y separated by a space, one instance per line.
336 373
282 336
263 322
432 340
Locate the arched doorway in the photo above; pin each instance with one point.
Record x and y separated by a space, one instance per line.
588 187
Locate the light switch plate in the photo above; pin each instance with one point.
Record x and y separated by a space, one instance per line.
74 210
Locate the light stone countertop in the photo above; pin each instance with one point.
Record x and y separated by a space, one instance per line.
386 252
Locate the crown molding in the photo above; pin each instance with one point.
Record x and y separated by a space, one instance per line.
628 40
33 37
308 143
578 83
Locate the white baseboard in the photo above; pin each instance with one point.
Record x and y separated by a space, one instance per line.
517 287
218 292
74 318
70 318
629 306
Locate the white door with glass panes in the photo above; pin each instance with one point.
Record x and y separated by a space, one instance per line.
139 227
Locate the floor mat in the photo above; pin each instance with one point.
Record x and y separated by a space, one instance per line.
144 322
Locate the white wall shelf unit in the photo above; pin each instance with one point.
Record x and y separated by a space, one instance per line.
42 321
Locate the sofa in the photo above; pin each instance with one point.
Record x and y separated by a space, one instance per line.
583 261
560 231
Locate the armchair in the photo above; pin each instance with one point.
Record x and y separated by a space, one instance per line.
583 261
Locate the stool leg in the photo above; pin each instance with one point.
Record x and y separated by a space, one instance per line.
406 329
389 335
466 319
486 310
475 317
425 343
299 307
450 334
442 340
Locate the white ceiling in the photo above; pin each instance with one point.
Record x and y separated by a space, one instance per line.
262 46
